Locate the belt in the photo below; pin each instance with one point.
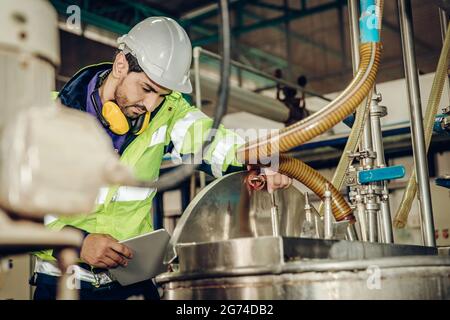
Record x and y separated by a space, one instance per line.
45 279
81 272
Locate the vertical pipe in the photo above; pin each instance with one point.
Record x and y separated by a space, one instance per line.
419 148
376 112
380 228
386 219
372 208
274 216
366 139
198 97
328 215
307 228
351 233
361 211
443 18
373 226
353 20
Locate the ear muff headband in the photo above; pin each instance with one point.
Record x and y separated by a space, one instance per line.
141 124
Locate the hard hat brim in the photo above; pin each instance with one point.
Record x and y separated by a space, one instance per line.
183 88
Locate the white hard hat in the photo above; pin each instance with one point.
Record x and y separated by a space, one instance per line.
163 50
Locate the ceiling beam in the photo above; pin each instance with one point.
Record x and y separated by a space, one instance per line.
272 22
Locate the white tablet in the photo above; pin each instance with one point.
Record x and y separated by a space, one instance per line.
149 250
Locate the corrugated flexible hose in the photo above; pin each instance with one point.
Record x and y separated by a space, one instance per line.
314 181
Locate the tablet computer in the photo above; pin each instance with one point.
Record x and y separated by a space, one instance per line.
148 255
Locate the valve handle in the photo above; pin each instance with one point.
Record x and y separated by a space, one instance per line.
381 174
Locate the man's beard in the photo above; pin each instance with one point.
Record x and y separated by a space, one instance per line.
127 109
130 112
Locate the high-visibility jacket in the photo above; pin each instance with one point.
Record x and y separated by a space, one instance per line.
176 127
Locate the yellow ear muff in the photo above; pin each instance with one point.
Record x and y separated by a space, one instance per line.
144 123
118 123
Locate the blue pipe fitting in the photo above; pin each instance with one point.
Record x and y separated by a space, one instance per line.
369 24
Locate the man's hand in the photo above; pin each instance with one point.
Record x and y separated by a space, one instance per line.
103 251
274 179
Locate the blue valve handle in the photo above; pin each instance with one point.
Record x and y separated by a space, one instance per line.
381 174
443 182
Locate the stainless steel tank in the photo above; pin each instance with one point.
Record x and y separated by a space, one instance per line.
223 249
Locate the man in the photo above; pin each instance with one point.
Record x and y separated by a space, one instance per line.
138 101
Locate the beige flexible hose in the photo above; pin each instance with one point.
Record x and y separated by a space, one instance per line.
312 179
434 99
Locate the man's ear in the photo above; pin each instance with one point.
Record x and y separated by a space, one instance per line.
120 66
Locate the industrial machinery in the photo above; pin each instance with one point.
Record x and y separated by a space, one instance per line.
235 243
235 240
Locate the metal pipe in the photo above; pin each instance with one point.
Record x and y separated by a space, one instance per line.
386 219
376 112
419 148
361 212
372 208
443 18
366 138
264 75
373 225
380 228
351 233
328 214
353 20
308 228
366 144
274 216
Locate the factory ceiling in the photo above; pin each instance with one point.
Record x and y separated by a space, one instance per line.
309 36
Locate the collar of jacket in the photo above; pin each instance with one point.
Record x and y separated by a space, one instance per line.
74 92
